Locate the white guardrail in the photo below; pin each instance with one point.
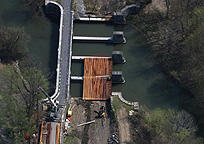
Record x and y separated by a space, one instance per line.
56 94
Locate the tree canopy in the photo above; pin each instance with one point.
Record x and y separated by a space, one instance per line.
164 127
13 43
20 100
176 35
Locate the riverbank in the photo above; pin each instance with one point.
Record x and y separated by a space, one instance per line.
122 111
178 55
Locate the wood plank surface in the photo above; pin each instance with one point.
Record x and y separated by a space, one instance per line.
96 84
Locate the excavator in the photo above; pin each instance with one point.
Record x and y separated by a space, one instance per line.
53 107
101 114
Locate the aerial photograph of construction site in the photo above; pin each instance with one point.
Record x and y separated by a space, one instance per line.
102 72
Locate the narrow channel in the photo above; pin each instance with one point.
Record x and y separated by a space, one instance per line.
88 49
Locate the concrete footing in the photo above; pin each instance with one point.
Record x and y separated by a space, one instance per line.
92 19
83 57
76 78
117 77
118 57
118 38
118 18
92 39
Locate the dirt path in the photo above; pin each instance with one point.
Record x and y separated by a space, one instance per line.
99 132
124 127
94 133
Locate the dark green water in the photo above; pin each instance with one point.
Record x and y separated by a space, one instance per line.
145 81
89 29
43 32
88 49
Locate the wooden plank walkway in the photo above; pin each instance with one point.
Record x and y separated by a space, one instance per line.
96 85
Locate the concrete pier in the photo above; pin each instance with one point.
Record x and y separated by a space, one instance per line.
118 38
77 78
117 77
83 57
118 18
94 39
118 57
78 58
92 19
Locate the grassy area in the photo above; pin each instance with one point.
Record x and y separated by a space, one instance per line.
129 2
59 1
118 104
74 5
71 138
91 6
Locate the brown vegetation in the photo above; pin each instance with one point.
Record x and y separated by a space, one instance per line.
171 36
104 7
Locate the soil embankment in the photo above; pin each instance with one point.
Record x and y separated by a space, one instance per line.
124 126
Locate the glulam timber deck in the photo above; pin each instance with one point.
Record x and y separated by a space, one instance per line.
96 85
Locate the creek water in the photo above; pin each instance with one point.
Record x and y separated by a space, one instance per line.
88 49
44 33
144 80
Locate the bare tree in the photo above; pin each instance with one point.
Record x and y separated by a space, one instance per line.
13 43
183 122
34 6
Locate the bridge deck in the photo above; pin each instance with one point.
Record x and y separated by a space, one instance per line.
96 73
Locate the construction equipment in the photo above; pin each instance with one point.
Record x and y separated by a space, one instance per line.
114 139
50 99
69 113
101 112
53 107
